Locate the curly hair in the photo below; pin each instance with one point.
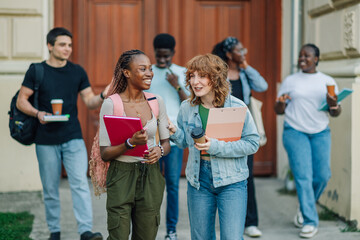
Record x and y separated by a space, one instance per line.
119 82
216 70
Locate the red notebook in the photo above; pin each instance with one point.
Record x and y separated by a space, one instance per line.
121 128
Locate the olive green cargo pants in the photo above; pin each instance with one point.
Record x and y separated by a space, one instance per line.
134 194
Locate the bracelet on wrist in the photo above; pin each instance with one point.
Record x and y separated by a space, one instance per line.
102 96
334 107
162 150
37 114
128 145
178 88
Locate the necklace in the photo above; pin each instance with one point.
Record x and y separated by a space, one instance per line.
132 103
138 114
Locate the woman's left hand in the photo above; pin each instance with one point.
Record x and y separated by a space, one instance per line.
331 100
153 155
203 146
171 127
244 63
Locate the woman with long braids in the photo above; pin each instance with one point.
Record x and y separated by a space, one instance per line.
243 79
306 135
135 185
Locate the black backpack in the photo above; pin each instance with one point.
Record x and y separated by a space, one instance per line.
22 126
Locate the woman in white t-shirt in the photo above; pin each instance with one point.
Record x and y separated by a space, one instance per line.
306 135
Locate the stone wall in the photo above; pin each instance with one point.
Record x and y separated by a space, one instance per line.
334 26
23 28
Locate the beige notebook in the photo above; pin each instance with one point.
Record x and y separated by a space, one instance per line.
226 124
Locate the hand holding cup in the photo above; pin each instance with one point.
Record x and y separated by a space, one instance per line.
57 106
331 90
198 134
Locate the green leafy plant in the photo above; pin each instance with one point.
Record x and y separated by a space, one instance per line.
327 215
15 226
291 176
284 191
351 226
350 229
289 184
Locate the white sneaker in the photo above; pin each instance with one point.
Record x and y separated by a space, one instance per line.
171 236
308 231
298 219
253 231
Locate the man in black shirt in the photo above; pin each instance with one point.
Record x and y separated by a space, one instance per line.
61 142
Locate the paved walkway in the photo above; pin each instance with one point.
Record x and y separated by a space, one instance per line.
276 212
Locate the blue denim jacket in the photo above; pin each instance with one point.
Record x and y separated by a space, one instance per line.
228 159
251 80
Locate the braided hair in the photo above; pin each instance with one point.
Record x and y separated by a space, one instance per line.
119 82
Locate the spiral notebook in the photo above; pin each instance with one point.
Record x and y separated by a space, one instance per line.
120 129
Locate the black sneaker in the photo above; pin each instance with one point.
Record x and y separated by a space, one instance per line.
54 236
91 236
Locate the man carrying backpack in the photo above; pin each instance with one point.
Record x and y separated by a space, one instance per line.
61 142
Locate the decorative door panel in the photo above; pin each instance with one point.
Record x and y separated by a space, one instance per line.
215 21
103 29
109 36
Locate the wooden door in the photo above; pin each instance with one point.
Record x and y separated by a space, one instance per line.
103 29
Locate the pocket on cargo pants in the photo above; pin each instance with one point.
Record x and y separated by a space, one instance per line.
121 185
146 217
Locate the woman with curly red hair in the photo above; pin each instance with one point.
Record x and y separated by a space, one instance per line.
216 178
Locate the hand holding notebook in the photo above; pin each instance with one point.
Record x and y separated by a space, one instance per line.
342 94
120 129
226 124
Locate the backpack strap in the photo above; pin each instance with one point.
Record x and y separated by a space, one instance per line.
119 107
118 104
153 102
39 76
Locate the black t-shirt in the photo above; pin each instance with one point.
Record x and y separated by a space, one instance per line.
236 89
59 83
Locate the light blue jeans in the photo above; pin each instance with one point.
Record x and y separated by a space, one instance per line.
74 157
172 163
230 200
309 159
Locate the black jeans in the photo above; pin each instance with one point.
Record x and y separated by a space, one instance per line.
251 213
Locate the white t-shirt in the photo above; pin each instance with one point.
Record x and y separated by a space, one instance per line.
307 91
162 87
